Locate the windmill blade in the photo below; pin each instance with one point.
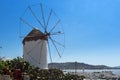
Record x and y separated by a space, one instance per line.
48 18
49 51
42 13
34 47
24 21
26 36
19 29
55 46
57 33
58 43
21 36
32 58
55 25
35 17
40 53
28 53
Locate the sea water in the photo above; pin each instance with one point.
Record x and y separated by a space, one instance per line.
114 71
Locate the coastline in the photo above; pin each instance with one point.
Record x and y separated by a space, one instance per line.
114 71
97 74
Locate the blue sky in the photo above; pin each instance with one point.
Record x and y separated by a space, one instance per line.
92 29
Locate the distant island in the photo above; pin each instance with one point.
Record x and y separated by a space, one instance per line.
77 65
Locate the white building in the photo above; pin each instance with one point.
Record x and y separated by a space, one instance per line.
35 49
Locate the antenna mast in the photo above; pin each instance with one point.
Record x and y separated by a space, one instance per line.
75 67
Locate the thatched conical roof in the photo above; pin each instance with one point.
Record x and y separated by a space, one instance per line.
35 34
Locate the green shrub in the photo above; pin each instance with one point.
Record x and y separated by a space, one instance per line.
70 76
2 66
34 72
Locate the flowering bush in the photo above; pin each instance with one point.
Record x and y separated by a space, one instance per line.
18 67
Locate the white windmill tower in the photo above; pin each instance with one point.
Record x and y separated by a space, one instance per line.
35 49
39 42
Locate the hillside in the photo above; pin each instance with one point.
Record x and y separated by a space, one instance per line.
73 65
118 67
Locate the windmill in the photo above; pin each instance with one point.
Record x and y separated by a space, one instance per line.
48 37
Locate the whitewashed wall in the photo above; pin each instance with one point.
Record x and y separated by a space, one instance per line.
35 52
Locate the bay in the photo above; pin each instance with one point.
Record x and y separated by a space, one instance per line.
114 71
